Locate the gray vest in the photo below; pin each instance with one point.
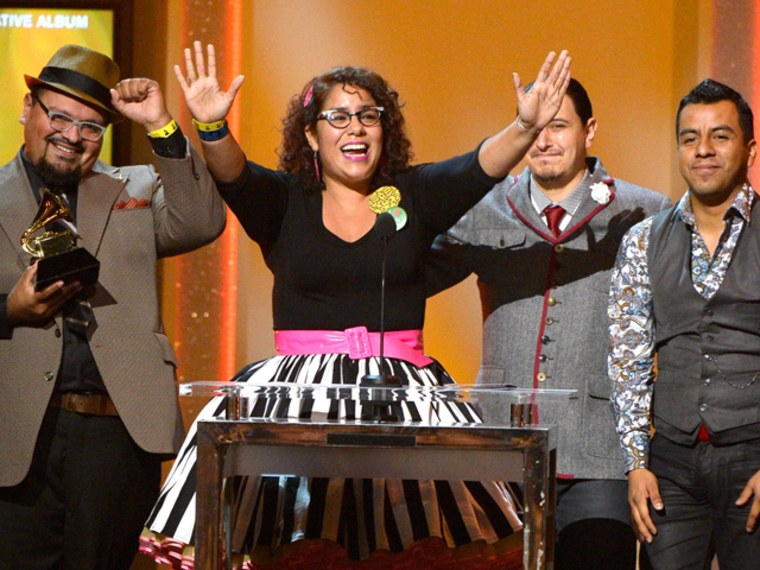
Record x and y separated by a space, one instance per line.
708 352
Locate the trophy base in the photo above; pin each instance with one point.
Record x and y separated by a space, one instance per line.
75 265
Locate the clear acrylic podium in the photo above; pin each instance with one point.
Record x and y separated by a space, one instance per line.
502 440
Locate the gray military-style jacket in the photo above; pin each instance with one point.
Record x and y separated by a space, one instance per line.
545 303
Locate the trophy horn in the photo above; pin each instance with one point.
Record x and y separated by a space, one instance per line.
52 207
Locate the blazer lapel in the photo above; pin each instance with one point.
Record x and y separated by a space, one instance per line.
97 194
518 199
17 206
589 208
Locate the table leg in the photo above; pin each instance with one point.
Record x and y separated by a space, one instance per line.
540 501
210 550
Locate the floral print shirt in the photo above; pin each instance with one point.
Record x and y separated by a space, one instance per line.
631 318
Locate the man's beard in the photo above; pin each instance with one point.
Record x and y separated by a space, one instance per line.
548 177
57 178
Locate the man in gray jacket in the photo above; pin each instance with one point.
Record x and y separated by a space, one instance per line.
542 245
88 394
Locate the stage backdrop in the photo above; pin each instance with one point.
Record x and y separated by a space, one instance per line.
452 63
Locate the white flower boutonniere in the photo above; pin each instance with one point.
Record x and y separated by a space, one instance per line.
600 193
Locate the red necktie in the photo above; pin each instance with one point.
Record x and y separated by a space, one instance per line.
554 215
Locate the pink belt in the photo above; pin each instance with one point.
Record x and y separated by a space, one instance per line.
357 342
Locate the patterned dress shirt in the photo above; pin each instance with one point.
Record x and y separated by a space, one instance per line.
631 318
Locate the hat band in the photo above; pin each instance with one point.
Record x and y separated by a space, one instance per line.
78 81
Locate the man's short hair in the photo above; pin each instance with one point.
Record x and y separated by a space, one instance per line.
578 96
711 91
581 102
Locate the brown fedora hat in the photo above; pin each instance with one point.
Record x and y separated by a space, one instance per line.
82 73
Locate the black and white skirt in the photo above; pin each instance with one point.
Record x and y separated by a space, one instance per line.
360 514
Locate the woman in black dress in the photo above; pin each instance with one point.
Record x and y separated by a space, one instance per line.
344 160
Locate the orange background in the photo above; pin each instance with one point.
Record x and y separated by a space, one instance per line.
451 61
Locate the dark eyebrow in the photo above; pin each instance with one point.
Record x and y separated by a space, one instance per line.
723 128
717 128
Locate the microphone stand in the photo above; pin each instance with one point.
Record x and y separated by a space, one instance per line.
380 407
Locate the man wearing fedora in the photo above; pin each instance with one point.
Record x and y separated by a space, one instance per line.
88 399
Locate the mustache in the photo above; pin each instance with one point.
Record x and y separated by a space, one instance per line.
540 153
77 146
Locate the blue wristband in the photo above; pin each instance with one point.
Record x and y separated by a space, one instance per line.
210 136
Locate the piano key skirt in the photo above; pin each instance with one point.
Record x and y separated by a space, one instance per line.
360 515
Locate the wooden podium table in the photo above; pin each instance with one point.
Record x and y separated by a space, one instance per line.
361 449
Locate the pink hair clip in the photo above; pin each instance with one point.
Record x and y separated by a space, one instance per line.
307 97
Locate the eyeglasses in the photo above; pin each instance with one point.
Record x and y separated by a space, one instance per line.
61 122
340 119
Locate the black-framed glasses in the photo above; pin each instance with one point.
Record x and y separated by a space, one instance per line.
61 122
340 119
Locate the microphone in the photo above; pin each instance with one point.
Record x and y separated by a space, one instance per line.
385 228
381 409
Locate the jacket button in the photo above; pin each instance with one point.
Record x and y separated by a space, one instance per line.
552 301
49 376
58 333
707 381
549 320
559 248
541 377
542 358
545 339
702 407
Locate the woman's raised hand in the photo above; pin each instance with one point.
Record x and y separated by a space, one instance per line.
205 100
536 107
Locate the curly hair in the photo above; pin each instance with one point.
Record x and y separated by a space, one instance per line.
296 156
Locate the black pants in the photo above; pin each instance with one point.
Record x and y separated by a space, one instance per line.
593 526
699 486
84 502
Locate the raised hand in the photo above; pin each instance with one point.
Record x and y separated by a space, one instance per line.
538 106
206 101
141 100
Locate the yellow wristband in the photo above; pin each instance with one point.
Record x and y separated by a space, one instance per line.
210 127
165 132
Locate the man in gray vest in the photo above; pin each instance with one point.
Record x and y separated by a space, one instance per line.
542 245
685 289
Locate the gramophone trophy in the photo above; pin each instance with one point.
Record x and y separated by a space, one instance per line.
59 258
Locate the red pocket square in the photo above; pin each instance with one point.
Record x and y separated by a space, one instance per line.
133 203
